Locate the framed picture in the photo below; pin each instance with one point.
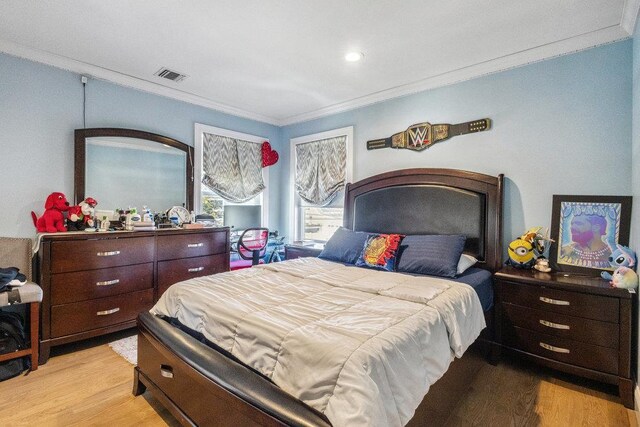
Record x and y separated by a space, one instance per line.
585 228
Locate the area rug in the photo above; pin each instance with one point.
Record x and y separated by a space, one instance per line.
127 348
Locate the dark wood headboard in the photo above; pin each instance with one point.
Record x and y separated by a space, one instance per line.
432 201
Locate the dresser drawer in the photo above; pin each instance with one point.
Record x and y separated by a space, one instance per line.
85 285
564 350
81 255
170 272
589 306
191 245
589 331
82 316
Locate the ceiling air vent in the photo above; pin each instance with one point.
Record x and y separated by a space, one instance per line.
174 76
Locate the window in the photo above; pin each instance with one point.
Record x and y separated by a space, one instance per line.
208 201
318 221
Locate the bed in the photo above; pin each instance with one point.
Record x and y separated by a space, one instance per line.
202 383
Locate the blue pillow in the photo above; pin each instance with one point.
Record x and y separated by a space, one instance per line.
434 254
380 251
344 246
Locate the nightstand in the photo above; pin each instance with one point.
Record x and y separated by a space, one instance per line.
573 323
293 251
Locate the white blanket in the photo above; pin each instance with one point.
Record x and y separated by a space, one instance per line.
361 346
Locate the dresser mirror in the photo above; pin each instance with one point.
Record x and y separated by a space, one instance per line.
123 168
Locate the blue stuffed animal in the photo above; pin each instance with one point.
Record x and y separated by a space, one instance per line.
621 256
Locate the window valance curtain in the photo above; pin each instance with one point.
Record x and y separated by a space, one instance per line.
321 169
232 167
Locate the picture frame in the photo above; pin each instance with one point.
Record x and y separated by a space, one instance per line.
584 228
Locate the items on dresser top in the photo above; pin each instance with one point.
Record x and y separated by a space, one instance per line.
144 226
573 323
98 283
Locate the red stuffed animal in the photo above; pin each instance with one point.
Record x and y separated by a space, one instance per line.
52 220
80 217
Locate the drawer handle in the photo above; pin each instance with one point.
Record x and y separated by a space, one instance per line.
195 245
108 282
554 349
554 325
554 301
195 269
110 253
166 371
105 312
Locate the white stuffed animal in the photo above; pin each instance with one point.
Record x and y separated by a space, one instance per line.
625 278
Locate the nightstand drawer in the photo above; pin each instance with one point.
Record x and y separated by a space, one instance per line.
589 331
589 306
564 350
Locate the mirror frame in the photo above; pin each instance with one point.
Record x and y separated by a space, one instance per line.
81 136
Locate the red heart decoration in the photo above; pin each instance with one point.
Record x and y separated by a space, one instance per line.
269 156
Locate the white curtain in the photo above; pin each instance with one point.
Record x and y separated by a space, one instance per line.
232 167
321 169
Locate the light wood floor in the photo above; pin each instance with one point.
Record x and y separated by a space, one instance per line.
90 385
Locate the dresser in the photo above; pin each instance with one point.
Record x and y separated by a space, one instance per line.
97 283
576 324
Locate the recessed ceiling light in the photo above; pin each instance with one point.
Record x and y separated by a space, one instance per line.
354 56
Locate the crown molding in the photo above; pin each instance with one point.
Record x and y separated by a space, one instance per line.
630 16
100 73
528 56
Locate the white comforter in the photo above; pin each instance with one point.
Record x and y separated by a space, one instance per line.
359 345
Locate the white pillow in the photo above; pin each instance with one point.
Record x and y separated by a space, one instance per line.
465 262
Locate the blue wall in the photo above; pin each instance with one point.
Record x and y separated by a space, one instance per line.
561 126
40 106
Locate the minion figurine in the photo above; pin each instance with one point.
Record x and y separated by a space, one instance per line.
520 254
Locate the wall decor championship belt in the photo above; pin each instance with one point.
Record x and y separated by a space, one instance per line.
422 135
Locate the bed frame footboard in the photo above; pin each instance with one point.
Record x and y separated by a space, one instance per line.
200 386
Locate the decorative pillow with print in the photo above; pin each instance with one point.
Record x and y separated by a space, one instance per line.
380 251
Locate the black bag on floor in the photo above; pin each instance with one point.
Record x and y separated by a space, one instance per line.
12 339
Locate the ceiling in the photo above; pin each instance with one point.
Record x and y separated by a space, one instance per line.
282 62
